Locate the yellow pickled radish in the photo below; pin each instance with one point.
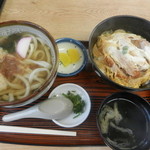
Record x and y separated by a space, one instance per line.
64 59
74 55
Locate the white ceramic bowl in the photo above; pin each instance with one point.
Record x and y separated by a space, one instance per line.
70 121
74 68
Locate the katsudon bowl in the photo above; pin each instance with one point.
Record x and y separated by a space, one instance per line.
29 62
129 24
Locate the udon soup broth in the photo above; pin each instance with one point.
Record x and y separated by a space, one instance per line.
25 65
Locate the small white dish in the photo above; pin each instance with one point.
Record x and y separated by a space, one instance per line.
70 121
64 44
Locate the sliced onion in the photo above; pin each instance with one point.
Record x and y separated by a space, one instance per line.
23 46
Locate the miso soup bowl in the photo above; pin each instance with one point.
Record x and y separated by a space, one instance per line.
131 24
11 27
123 120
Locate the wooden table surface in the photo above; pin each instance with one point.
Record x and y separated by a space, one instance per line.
69 18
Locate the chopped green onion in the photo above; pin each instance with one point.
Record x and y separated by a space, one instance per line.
78 103
125 50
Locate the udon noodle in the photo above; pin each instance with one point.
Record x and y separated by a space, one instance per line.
21 76
123 57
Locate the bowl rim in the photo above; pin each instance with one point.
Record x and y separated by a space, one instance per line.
55 66
145 106
84 51
98 71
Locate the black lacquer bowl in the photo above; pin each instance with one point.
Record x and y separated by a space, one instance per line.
131 24
123 121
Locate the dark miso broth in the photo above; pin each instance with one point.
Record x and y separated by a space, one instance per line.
123 124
